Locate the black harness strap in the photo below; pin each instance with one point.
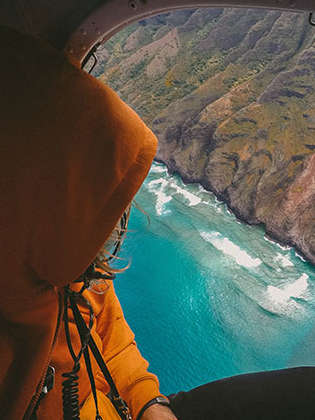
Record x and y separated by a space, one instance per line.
83 336
119 404
92 381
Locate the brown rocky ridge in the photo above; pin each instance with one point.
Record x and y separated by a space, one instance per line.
230 93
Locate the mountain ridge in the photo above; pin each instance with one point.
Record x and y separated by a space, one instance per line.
230 94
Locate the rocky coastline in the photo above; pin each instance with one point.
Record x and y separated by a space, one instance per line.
230 94
280 238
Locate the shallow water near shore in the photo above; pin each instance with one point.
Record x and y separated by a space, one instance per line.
208 296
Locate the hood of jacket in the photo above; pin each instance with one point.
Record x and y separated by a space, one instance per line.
73 155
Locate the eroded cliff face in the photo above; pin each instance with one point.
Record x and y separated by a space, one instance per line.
231 96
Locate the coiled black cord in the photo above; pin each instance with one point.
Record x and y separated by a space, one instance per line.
70 394
70 387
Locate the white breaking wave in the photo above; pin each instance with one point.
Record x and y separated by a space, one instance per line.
161 197
293 290
213 205
218 209
158 187
158 169
285 261
283 247
300 256
192 198
229 248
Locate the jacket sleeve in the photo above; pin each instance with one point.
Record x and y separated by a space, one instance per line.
128 368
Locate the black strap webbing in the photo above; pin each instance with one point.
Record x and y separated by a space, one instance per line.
117 401
84 337
92 381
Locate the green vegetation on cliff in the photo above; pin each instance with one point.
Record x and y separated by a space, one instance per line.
230 93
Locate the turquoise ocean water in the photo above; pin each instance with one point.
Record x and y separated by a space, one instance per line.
208 296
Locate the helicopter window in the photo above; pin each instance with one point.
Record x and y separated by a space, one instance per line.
226 266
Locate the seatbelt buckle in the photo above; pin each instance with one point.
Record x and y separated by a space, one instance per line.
49 381
122 408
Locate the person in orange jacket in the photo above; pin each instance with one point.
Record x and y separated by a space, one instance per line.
73 155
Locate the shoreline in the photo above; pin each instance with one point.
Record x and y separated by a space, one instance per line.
268 234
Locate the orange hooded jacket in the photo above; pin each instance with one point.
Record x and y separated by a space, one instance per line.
73 155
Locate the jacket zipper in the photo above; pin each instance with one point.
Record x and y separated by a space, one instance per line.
36 396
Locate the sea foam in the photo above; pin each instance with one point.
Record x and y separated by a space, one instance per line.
293 290
285 261
157 187
283 247
158 169
229 248
192 198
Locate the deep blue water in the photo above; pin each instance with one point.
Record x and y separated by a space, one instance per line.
207 296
